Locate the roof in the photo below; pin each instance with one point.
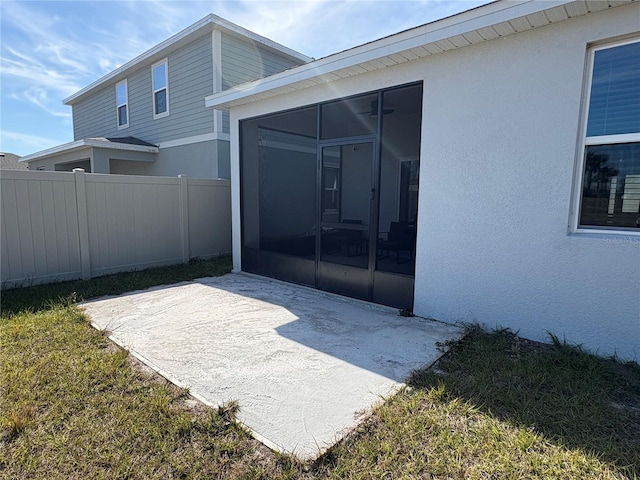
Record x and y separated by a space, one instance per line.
488 22
125 140
206 25
10 161
131 144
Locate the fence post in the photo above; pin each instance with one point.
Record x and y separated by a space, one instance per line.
184 216
83 222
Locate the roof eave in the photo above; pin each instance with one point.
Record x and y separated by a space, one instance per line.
207 24
86 143
477 25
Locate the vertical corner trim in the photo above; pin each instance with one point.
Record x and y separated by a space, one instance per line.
216 54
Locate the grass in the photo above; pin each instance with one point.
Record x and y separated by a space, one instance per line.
73 405
44 296
498 406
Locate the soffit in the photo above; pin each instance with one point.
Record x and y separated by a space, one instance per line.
489 22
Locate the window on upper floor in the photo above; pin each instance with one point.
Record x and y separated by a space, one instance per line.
122 104
160 79
610 168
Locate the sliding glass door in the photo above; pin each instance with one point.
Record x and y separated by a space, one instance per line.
346 198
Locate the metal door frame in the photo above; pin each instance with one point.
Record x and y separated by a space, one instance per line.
374 141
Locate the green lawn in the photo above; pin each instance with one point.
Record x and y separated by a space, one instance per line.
73 405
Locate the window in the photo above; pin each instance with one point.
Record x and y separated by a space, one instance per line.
160 89
122 103
610 170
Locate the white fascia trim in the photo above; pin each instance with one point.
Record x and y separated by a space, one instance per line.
469 21
206 137
208 23
64 148
87 142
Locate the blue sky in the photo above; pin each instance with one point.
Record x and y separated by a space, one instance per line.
50 49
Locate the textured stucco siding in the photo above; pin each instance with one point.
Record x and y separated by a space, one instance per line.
500 127
196 160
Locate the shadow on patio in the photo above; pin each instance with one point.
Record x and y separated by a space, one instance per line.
304 365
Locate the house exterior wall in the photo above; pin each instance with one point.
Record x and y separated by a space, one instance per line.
225 122
500 126
62 161
69 167
190 71
190 80
244 60
92 160
224 165
196 160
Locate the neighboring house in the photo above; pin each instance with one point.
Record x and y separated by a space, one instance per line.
148 116
9 161
484 167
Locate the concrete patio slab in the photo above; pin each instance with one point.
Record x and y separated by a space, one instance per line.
304 365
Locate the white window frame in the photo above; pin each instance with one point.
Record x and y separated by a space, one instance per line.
125 104
585 141
166 87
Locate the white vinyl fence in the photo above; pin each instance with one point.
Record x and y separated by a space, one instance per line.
61 226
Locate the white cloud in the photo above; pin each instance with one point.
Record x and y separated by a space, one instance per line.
8 139
39 97
32 72
52 49
323 27
46 58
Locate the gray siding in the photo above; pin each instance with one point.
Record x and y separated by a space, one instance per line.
226 122
190 81
244 61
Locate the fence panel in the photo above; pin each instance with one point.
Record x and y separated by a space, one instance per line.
209 217
134 222
39 231
59 226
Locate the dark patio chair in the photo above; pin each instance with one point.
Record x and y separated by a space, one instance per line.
353 239
400 238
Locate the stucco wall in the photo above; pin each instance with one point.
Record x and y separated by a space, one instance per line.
196 160
499 133
494 245
63 161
